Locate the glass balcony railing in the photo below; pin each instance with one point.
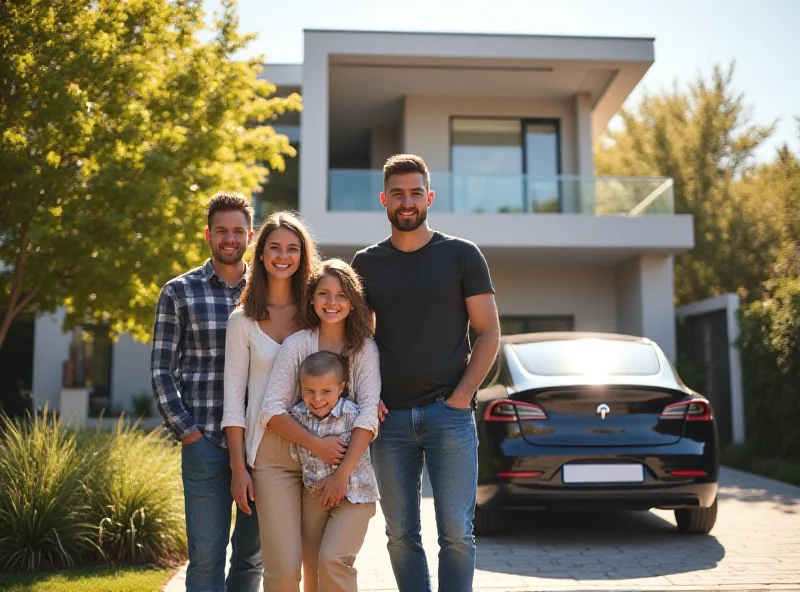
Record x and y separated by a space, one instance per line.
352 190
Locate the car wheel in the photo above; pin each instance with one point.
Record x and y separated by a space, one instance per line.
486 522
696 520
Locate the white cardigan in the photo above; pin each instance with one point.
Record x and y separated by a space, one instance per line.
249 356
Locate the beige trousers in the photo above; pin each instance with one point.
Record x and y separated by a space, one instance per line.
294 528
331 541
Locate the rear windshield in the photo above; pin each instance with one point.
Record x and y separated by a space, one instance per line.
593 357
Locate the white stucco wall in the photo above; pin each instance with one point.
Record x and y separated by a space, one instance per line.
130 365
50 351
130 371
645 299
586 293
426 130
383 143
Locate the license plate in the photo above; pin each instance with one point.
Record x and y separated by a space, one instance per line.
603 473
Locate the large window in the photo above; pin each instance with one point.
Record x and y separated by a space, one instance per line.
505 165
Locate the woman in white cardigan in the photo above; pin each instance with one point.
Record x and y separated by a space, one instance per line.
285 258
335 318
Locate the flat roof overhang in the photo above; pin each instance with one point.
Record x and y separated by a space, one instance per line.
370 72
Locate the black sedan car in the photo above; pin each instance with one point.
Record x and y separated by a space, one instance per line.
593 421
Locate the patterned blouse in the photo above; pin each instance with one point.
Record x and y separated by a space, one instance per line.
362 487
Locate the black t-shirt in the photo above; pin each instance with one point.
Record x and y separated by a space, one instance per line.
421 316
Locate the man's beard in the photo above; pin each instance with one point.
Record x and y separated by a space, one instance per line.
407 225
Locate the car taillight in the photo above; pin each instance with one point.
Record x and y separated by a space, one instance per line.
508 410
694 410
688 473
519 474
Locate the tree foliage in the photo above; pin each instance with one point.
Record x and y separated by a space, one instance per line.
769 341
701 138
118 122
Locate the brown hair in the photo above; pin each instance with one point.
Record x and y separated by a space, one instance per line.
358 325
321 363
400 164
228 201
254 296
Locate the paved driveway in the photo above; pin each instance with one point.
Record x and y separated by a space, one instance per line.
754 546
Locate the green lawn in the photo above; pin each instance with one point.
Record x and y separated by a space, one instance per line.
90 579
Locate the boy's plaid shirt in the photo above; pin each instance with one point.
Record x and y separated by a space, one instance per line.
188 356
362 487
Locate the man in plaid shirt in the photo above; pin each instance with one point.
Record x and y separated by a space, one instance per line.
187 363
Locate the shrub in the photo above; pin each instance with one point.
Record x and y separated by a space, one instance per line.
769 342
138 502
88 496
43 502
743 457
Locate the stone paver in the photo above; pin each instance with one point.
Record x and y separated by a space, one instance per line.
754 546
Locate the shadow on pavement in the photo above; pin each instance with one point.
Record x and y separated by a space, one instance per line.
584 546
746 487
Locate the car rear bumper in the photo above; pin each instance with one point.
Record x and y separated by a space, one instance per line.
634 497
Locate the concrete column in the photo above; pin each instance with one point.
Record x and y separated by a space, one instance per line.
658 302
645 300
585 156
314 131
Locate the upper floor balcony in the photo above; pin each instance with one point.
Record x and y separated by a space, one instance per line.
506 125
357 191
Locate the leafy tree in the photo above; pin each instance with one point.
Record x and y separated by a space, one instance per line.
775 189
117 124
769 342
701 138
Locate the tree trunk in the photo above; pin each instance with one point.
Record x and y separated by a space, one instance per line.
13 309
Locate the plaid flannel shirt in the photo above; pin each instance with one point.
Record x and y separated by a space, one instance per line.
362 487
188 356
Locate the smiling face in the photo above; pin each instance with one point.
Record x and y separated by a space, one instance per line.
228 235
407 199
282 253
330 301
321 393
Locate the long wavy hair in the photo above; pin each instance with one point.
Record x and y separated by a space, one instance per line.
358 325
254 296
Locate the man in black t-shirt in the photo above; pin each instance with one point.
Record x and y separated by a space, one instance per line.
425 289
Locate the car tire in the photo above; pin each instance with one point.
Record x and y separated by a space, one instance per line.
486 522
697 520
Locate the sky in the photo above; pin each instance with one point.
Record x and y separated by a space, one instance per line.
762 37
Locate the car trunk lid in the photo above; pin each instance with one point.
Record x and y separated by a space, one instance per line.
615 416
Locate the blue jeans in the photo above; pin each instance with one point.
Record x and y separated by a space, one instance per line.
207 497
446 439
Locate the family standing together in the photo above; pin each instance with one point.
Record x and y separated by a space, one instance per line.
306 390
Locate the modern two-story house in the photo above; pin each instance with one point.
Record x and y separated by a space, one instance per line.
506 124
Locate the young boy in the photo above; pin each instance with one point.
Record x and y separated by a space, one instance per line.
331 538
